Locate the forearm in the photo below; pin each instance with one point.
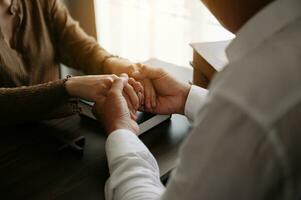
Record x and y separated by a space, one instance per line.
134 171
82 52
75 48
30 103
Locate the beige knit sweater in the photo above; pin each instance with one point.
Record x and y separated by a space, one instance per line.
45 36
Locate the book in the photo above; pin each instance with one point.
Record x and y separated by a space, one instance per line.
146 121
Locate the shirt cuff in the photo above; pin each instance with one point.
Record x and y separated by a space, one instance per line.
121 142
195 101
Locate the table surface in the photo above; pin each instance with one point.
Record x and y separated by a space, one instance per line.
31 167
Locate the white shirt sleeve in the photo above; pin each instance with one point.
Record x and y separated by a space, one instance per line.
195 101
134 172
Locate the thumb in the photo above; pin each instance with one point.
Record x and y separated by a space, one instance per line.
119 83
148 72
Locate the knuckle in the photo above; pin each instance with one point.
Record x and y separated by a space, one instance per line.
104 86
118 79
114 76
132 65
139 84
112 93
109 79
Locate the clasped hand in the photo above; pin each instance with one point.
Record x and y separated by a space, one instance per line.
117 99
96 87
113 109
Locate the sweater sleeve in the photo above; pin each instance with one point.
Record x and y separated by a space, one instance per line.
32 103
76 49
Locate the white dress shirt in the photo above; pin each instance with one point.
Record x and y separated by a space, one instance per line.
245 141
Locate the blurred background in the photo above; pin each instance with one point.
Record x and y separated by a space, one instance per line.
143 29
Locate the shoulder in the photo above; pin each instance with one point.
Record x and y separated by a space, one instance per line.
266 81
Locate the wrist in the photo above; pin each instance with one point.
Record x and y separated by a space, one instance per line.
133 127
184 95
108 62
70 85
114 130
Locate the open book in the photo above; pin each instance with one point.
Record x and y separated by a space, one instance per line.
146 121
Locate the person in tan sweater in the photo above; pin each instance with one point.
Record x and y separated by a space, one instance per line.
35 37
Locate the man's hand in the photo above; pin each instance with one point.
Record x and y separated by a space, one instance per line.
171 94
112 109
118 66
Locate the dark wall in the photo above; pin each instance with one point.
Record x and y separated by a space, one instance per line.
83 11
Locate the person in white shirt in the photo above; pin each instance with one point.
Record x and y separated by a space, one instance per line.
245 141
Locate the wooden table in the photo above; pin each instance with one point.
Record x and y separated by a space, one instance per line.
31 167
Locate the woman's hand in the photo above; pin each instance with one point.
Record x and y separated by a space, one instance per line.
92 87
118 66
89 87
112 110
